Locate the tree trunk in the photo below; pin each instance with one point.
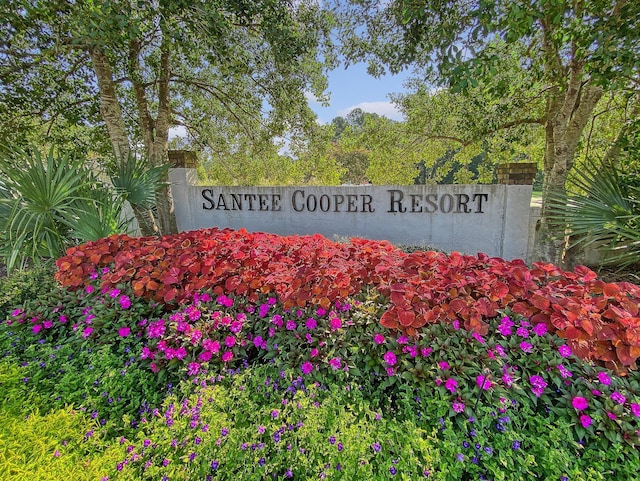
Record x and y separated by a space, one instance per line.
155 133
112 116
567 114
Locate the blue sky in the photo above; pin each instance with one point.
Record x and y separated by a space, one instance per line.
354 87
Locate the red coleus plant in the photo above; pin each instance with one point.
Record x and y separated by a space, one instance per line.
599 320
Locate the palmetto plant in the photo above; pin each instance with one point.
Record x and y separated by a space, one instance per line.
604 213
48 202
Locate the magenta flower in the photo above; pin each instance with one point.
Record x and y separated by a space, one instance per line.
314 352
612 416
227 356
213 346
500 350
617 397
564 350
235 327
604 378
425 351
311 324
526 347
585 421
124 301
378 338
335 323
403 340
564 372
124 331
113 293
580 403
478 338
522 332
87 332
38 327
205 356
47 324
444 365
457 406
306 367
390 358
635 409
483 382
537 385
194 368
451 384
456 324
335 363
230 341
147 353
540 329
181 353
291 325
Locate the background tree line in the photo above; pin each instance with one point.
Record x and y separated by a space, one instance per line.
493 81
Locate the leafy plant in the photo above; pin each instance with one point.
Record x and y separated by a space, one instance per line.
603 213
21 286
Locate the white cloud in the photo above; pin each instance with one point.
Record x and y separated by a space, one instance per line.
386 109
311 97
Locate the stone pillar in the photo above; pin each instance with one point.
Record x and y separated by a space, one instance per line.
185 159
517 173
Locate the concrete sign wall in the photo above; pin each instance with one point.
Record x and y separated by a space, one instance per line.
493 219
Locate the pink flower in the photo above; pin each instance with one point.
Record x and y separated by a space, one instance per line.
426 351
209 345
635 409
617 397
205 356
483 382
612 416
194 368
124 331
580 403
335 323
235 327
403 340
306 367
564 372
540 329
390 358
564 350
444 365
113 293
522 332
63 318
87 332
147 353
585 421
457 406
311 324
291 325
526 347
38 327
124 302
390 371
451 385
230 341
47 324
456 324
604 378
335 363
500 350
314 352
378 338
181 353
478 338
227 356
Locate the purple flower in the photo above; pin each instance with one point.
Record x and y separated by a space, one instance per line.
390 358
564 372
311 323
291 325
376 447
125 302
457 406
335 363
456 324
194 368
392 471
635 409
522 332
215 464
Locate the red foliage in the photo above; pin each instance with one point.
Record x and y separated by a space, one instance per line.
599 320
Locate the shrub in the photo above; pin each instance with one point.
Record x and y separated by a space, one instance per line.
21 286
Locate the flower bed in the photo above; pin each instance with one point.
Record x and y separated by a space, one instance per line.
224 354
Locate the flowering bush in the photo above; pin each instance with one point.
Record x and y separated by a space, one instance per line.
600 320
